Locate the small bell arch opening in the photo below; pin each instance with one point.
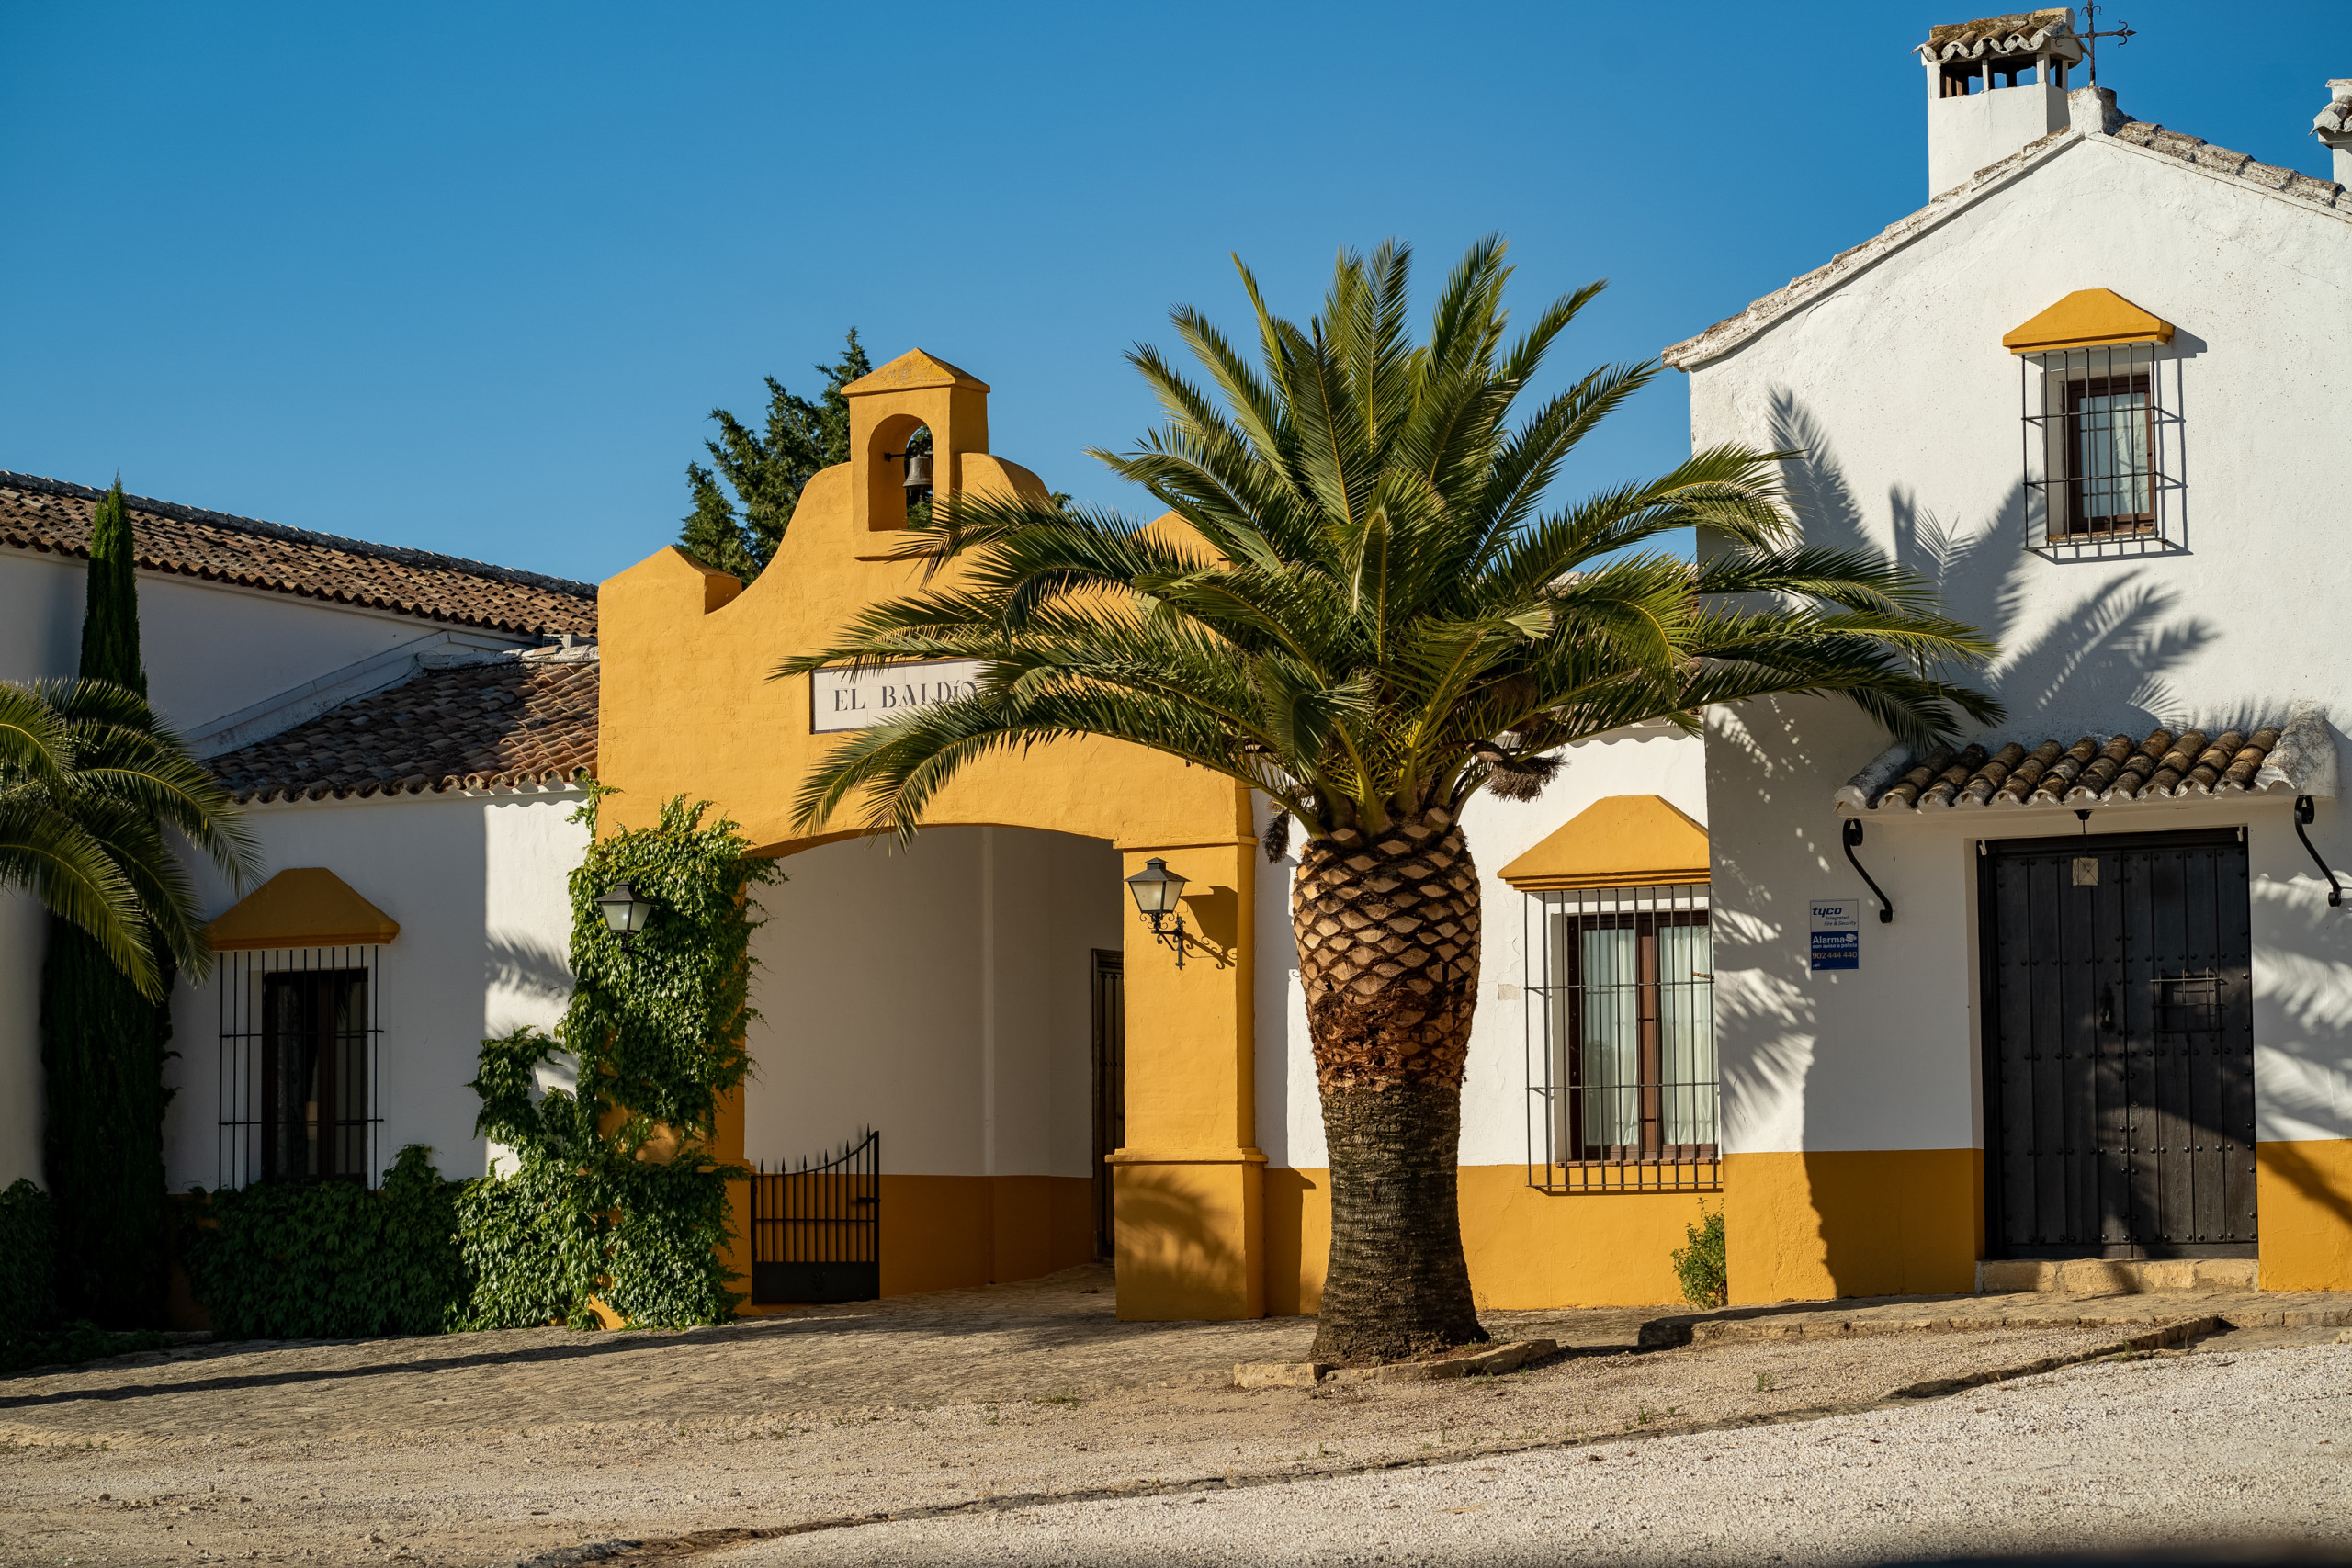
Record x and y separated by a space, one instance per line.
915 471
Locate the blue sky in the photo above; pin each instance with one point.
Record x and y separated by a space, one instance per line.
470 279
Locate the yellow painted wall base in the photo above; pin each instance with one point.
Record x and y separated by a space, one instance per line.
1853 1222
1525 1248
2303 1194
942 1233
946 1233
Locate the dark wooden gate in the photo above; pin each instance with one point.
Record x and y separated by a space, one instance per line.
1110 1087
817 1230
2119 1046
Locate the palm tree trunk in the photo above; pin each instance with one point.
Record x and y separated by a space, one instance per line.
1388 955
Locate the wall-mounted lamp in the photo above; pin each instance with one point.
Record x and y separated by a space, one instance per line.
1157 889
624 910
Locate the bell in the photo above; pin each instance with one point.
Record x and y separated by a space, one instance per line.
918 473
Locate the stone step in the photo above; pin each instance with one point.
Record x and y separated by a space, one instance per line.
2108 1277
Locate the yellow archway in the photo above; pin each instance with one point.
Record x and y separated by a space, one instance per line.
689 708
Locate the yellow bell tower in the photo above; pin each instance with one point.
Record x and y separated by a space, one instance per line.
914 392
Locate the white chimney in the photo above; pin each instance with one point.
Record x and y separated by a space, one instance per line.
1992 86
2334 127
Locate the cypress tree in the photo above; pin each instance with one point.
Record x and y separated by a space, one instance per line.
766 472
103 1044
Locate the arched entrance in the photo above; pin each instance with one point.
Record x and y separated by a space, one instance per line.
941 994
688 708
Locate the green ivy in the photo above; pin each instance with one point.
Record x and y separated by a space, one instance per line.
614 1194
331 1259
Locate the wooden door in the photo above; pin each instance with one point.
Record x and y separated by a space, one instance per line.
2119 1046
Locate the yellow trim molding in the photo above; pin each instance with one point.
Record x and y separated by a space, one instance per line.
2088 318
301 907
1620 841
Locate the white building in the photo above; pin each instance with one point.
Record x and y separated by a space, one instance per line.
406 742
2089 388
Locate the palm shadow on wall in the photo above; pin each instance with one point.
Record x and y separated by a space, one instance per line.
2101 661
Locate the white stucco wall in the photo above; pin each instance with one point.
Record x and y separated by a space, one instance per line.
210 649
940 992
478 886
1967 133
1660 761
1896 385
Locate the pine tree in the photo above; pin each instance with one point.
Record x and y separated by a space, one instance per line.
103 1043
736 525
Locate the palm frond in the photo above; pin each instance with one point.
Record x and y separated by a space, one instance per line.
1367 609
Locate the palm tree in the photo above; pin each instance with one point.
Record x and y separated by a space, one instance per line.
89 781
1367 618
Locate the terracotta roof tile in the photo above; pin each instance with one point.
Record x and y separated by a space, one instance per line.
2297 757
2336 118
503 721
52 515
2018 32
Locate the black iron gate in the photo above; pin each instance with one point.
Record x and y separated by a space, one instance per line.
2119 1046
817 1230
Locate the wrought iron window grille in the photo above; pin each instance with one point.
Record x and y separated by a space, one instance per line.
1621 1045
300 1064
2103 453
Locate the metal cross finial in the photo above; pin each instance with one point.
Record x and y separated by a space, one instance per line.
2122 34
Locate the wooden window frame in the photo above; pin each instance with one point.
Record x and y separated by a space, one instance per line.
327 1138
2080 525
1650 1036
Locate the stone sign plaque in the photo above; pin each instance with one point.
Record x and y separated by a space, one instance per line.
839 700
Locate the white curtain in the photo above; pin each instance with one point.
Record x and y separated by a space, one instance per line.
1612 1036
1685 965
2113 433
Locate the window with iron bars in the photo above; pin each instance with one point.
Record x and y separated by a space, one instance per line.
1622 1082
298 1033
2102 449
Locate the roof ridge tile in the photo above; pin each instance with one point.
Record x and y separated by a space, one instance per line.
54 516
405 554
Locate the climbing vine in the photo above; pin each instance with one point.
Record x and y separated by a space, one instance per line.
615 1195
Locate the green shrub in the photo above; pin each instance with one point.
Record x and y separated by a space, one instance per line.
1700 1266
331 1259
30 1335
27 1260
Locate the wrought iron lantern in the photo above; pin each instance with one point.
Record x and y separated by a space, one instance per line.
624 910
1157 890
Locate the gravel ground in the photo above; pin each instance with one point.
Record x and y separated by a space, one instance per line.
2221 1450
477 1450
